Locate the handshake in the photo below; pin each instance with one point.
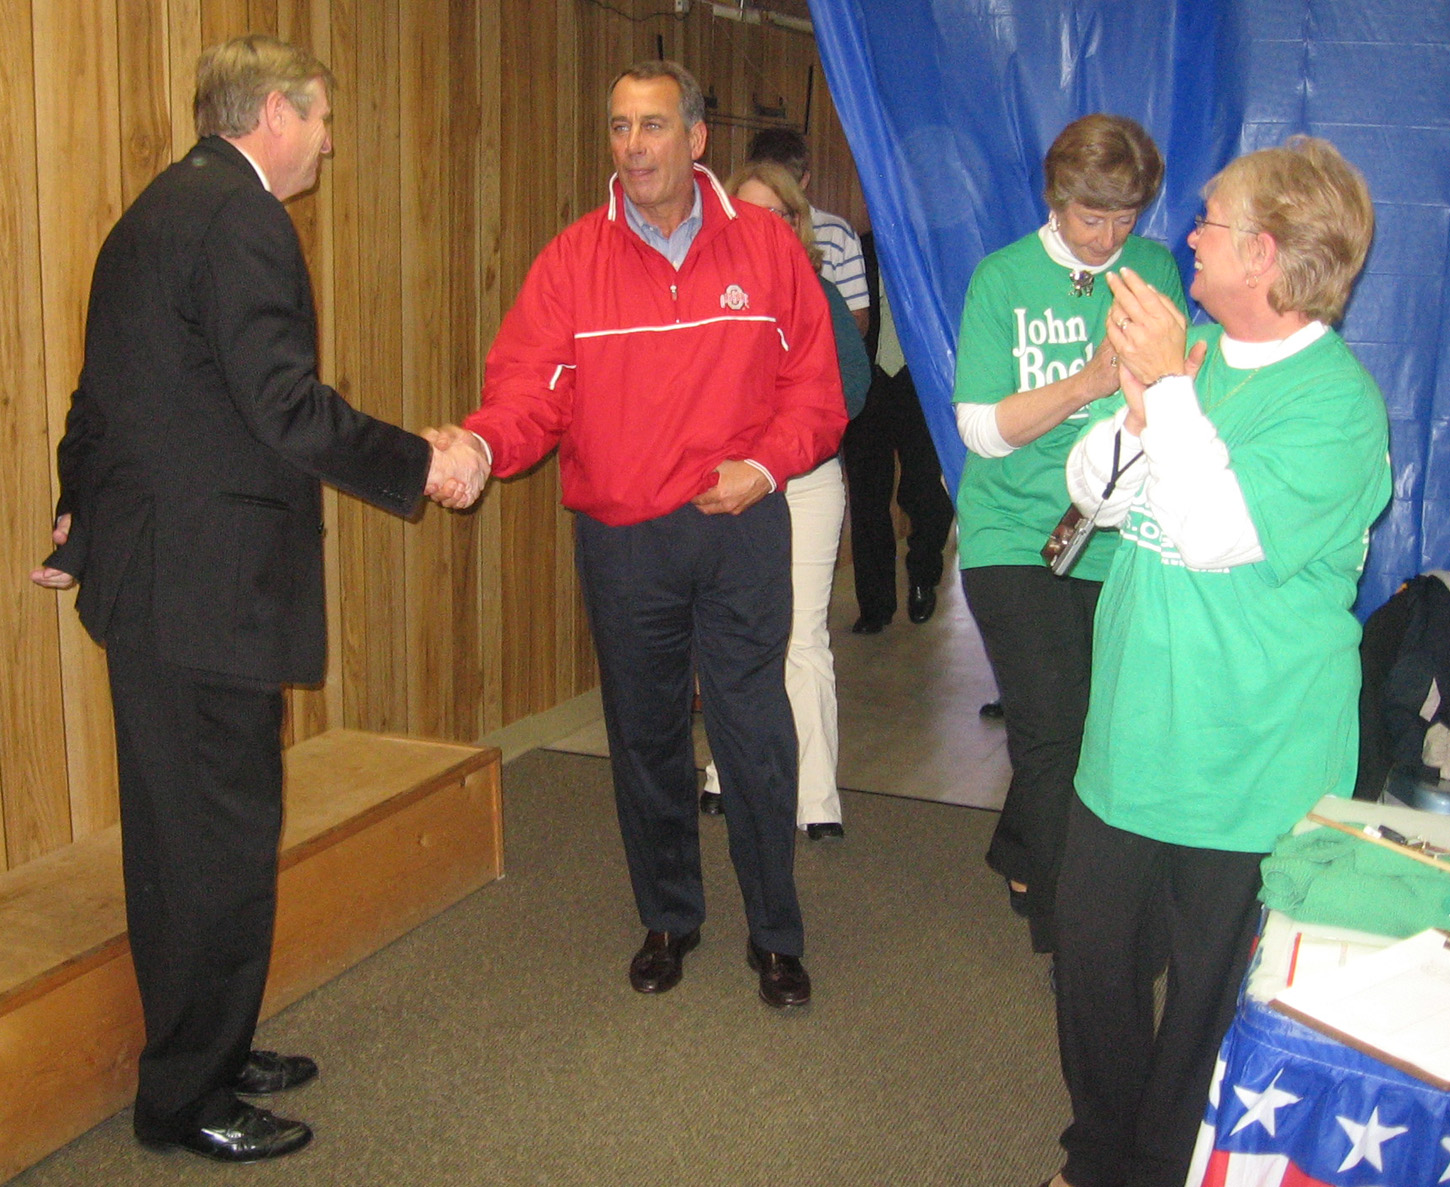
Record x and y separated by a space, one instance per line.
458 468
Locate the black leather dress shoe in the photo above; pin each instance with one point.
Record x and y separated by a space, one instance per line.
266 1072
825 830
712 803
920 603
783 979
660 962
992 711
248 1134
866 625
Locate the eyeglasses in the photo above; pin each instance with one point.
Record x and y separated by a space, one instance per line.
1199 222
788 215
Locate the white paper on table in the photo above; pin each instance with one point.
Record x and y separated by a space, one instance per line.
1393 1004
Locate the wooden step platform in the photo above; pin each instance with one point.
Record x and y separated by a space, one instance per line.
381 834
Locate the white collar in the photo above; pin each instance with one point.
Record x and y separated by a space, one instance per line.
266 185
1059 252
1245 356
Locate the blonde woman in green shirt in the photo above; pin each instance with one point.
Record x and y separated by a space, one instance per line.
1225 656
1029 365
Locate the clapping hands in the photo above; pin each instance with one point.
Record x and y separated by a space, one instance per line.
458 468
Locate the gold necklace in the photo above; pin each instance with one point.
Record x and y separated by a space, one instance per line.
1238 387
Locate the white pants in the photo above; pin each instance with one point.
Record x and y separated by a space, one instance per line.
817 503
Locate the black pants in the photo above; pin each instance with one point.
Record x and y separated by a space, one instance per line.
1038 633
200 765
891 425
1125 903
691 593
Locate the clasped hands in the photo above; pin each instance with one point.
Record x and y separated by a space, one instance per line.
1147 333
458 469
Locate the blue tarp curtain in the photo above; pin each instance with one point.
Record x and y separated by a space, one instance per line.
950 106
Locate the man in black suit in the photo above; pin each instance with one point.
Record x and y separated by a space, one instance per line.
190 513
892 426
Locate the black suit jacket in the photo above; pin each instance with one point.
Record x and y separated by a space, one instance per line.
199 432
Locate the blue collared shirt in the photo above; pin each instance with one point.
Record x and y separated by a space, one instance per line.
673 247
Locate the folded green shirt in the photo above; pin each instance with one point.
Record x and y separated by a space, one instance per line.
1326 876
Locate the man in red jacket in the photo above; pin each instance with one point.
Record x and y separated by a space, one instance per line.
677 348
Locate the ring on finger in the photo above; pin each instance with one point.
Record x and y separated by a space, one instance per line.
1125 323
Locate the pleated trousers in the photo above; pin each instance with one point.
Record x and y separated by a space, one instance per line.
672 597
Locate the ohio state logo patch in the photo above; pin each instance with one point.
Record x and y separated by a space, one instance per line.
734 298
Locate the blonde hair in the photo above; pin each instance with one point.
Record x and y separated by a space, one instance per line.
1103 162
233 78
1316 207
780 179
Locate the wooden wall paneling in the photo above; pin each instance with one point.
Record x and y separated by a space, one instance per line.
527 500
32 720
77 129
369 350
262 17
567 677
223 19
145 102
427 347
462 147
183 47
487 202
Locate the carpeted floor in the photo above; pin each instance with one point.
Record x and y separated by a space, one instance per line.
500 1044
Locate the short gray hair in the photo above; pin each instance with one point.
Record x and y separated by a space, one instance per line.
692 99
233 78
1317 208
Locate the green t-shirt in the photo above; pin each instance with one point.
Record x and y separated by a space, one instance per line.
1022 329
1225 703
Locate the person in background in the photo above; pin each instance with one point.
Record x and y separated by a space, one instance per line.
189 513
817 502
1029 362
892 428
676 346
1225 665
841 260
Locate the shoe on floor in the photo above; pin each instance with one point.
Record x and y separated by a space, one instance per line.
920 603
868 625
247 1134
266 1072
660 963
825 830
712 803
992 710
783 979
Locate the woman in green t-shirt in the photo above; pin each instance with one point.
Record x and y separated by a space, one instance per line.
1028 367
1225 656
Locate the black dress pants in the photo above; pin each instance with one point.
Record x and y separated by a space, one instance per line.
200 764
668 598
891 425
1038 633
1124 903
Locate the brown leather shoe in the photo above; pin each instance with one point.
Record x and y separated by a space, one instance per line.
783 979
660 962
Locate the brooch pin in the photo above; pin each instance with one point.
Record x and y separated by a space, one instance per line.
1082 283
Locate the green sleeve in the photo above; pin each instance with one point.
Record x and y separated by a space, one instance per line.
984 343
850 350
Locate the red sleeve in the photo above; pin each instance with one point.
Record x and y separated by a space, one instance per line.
811 416
528 377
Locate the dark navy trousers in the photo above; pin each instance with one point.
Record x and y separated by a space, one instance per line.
682 595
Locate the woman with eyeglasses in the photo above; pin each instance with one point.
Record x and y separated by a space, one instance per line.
1225 659
817 502
1030 360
